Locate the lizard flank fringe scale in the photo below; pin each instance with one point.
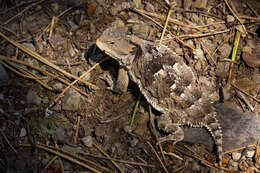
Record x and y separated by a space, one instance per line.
167 83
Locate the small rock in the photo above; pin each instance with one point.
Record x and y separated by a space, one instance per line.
141 30
201 4
61 135
71 100
236 156
3 77
250 153
87 141
225 50
134 142
149 7
251 59
58 87
29 46
23 132
233 165
230 19
198 54
100 130
33 98
128 129
137 3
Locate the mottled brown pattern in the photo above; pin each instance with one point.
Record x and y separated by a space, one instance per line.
167 83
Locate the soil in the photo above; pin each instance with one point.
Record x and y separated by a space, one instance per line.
42 127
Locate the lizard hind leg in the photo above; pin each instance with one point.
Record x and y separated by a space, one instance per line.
174 131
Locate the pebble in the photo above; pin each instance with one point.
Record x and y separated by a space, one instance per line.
71 100
33 98
230 18
23 132
134 142
236 156
250 153
88 141
225 50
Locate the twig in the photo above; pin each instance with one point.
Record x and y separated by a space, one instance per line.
158 158
188 36
78 79
7 141
165 25
49 149
233 85
45 61
20 13
238 149
103 152
77 129
5 58
226 1
174 36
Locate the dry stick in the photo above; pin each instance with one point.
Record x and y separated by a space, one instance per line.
15 71
5 58
27 8
226 1
220 45
85 73
50 162
165 25
7 141
205 162
251 18
103 152
45 61
52 25
152 126
63 156
174 36
203 35
158 158
233 85
238 149
77 130
77 157
207 51
123 161
175 21
26 75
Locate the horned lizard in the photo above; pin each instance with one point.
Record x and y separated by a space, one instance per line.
167 83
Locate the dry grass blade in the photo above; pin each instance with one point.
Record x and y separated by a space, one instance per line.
55 151
84 74
233 12
158 158
203 161
20 13
174 36
103 152
257 100
124 161
5 58
45 61
7 141
238 149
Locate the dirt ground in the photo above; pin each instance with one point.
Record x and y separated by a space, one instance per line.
46 126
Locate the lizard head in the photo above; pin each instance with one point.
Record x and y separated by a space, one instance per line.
115 42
